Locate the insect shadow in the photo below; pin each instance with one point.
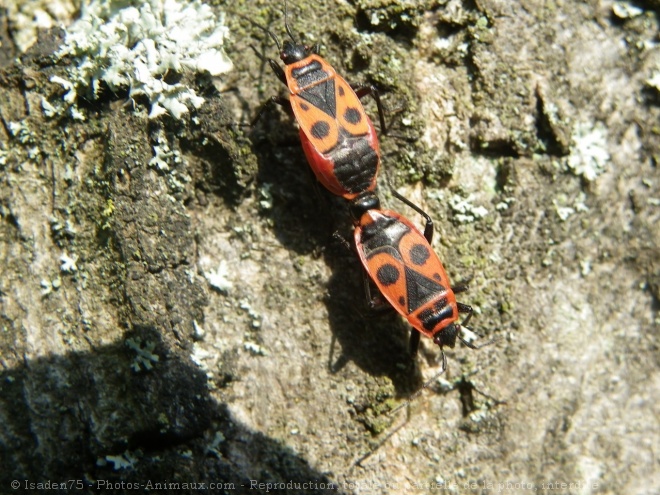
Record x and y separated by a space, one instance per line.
377 342
304 218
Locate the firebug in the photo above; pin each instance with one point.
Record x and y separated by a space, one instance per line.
401 263
338 138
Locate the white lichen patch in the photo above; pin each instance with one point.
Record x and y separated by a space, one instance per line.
48 286
68 263
563 212
626 10
66 104
170 160
255 349
134 48
199 355
122 461
21 131
198 331
566 209
214 446
70 96
654 81
145 355
163 155
505 203
589 153
464 210
254 316
265 196
217 278
48 109
27 18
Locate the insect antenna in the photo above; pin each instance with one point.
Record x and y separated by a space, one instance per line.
286 23
263 28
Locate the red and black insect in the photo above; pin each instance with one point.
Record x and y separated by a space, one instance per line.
399 260
338 138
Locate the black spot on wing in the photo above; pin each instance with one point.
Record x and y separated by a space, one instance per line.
320 129
419 254
352 115
387 274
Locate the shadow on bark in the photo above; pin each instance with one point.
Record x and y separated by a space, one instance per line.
64 418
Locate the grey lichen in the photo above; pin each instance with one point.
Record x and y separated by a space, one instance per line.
134 48
127 460
464 210
145 356
589 154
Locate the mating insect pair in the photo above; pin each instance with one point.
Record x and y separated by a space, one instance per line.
341 146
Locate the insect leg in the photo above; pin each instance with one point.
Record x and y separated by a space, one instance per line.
375 304
428 228
283 102
465 308
460 287
413 344
279 71
362 90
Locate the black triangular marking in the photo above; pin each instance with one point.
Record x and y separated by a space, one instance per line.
420 289
322 96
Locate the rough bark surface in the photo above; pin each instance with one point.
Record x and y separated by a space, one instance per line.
122 364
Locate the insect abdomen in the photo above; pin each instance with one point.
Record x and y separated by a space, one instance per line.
356 166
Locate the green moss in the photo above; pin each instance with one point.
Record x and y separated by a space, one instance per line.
109 208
